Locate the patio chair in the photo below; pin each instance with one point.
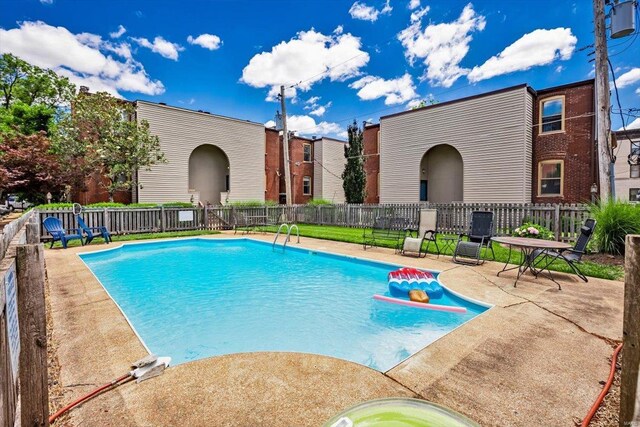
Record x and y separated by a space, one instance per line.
54 227
89 231
571 256
479 235
427 232
391 229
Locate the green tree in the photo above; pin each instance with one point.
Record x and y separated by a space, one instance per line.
353 178
102 135
32 85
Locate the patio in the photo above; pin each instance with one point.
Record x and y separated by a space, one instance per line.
536 358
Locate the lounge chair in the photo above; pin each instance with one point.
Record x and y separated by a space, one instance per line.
570 256
102 230
391 229
427 232
54 227
479 235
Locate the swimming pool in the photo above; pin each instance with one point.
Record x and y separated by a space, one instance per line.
196 298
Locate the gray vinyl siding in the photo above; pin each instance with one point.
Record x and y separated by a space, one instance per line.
332 158
317 169
180 132
492 134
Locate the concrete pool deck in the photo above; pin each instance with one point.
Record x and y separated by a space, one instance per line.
535 358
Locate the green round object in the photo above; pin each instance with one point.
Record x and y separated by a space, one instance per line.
399 412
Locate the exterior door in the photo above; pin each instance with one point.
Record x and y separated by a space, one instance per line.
423 190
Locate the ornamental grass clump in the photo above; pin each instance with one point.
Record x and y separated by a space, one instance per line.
533 231
615 219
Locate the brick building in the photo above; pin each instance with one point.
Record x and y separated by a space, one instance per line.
371 138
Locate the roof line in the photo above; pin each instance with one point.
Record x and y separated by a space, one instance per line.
162 104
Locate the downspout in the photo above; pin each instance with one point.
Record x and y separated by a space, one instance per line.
594 139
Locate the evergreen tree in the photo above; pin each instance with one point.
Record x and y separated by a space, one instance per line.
353 177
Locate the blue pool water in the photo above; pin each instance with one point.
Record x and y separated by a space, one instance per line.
196 298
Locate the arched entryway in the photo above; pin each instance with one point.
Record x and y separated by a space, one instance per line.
441 175
209 173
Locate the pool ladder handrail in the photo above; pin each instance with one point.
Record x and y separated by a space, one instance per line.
289 228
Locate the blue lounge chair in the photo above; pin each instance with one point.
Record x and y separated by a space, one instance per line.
54 227
102 230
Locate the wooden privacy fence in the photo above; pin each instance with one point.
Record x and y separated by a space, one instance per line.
23 333
563 220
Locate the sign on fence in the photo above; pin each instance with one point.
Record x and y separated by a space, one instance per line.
13 331
184 216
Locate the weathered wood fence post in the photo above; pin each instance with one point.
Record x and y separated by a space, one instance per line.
33 233
630 375
556 221
34 391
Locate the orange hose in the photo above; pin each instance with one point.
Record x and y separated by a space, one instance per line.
605 389
118 381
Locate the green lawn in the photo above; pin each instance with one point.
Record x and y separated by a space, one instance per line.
144 236
354 235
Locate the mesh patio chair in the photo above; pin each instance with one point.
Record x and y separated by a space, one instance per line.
571 256
427 232
480 232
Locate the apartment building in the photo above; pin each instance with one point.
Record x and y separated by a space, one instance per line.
627 166
513 145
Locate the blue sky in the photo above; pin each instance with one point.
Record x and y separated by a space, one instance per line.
361 59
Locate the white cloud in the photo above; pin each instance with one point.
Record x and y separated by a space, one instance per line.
539 47
630 77
442 46
161 46
339 30
270 124
316 109
418 14
207 41
638 91
307 58
560 68
46 1
414 4
83 58
319 111
365 12
313 101
395 91
121 30
306 125
633 125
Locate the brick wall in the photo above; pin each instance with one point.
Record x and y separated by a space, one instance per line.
272 165
299 169
371 163
96 192
575 145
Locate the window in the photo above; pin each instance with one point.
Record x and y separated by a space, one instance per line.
552 114
306 152
634 194
306 185
550 177
378 141
634 171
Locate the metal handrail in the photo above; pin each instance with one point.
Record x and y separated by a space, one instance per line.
289 235
285 225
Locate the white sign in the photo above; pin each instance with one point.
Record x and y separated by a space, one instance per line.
13 331
185 216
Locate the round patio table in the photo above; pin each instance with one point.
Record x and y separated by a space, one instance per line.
528 247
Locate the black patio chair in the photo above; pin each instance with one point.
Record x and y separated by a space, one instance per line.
479 235
571 256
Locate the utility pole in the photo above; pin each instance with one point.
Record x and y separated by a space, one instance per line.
285 147
603 104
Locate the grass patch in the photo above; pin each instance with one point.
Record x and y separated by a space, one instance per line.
142 236
354 235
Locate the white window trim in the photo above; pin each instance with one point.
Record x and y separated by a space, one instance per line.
541 112
306 144
306 178
553 161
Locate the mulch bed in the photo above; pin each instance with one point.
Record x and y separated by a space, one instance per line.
608 413
604 259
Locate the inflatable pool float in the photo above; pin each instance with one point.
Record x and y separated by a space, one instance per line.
405 279
436 307
399 412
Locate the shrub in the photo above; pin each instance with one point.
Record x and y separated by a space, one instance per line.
319 202
534 231
615 219
253 203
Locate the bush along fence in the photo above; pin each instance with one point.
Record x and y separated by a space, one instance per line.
563 220
23 333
